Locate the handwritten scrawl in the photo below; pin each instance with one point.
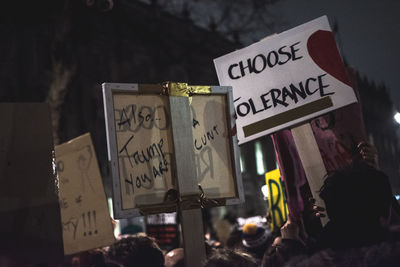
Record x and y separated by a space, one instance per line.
84 160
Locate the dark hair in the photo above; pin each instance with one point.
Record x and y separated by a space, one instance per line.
137 250
382 254
230 258
357 193
234 240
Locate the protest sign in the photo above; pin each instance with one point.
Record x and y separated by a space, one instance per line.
213 155
159 127
85 217
276 199
285 79
143 158
140 147
30 226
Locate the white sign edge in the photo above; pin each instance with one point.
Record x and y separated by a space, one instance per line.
108 90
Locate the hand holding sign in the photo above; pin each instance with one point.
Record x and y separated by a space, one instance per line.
368 153
290 230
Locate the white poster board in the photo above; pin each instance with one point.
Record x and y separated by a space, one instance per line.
285 79
85 216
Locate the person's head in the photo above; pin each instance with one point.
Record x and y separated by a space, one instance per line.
385 254
255 239
230 258
235 240
136 250
357 194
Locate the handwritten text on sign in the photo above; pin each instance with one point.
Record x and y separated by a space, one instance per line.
212 146
144 151
85 217
285 79
278 208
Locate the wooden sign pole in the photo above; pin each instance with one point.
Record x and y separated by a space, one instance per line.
192 223
312 162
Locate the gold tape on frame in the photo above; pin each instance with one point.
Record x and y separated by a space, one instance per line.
183 89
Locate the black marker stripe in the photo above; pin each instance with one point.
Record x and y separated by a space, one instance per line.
287 116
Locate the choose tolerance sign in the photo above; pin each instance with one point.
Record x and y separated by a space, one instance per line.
285 79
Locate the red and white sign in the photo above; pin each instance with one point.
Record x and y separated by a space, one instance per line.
285 79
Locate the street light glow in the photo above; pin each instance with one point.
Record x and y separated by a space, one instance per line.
397 117
259 159
264 190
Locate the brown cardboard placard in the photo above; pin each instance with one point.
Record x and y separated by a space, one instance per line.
84 210
30 225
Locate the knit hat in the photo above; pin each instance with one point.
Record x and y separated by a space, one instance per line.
254 237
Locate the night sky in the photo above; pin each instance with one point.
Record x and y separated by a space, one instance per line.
369 33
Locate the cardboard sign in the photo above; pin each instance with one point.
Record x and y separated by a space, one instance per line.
211 141
285 79
277 201
84 210
141 127
30 226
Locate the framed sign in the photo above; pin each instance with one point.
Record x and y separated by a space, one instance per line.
141 146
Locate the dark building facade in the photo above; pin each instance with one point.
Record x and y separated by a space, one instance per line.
63 51
383 131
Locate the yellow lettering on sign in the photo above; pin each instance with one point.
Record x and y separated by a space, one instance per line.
276 199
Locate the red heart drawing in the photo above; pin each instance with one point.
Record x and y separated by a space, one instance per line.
322 48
